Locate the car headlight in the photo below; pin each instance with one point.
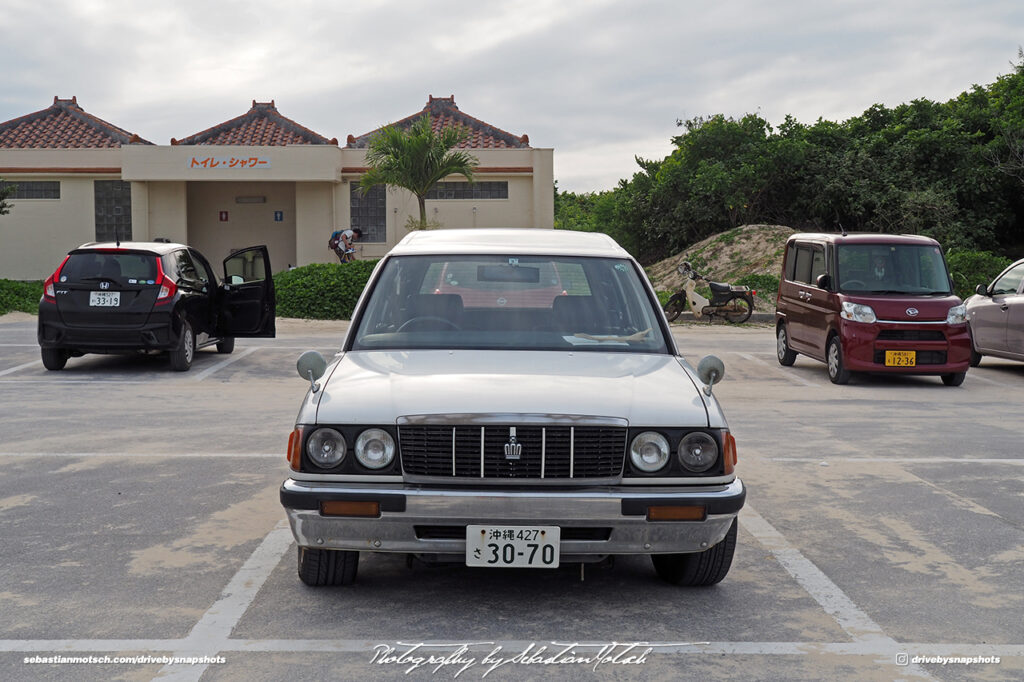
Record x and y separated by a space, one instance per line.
698 451
649 451
957 314
375 448
858 312
326 447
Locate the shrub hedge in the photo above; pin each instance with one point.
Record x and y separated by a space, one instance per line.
322 291
21 296
971 268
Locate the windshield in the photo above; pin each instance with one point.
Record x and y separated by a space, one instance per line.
892 269
510 303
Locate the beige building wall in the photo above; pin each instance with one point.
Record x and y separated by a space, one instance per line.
314 222
179 191
166 216
37 233
247 224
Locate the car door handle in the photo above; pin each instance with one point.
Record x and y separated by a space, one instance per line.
1004 307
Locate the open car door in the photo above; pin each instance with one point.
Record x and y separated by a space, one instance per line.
247 303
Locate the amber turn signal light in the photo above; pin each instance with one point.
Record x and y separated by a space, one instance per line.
349 508
680 513
730 455
295 448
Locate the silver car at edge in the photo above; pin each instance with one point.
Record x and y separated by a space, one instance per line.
511 398
995 315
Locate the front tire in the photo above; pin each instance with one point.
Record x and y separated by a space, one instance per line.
699 569
54 359
181 356
954 379
226 345
975 357
327 567
783 352
674 307
837 372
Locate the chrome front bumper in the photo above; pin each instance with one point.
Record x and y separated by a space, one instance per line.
426 521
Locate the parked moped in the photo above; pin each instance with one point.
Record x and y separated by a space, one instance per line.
733 303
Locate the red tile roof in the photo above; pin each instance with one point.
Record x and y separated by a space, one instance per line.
261 126
445 114
64 125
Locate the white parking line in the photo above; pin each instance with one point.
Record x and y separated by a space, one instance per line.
224 363
212 631
12 370
900 460
776 370
144 455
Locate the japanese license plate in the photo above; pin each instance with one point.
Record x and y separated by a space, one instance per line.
110 299
513 546
900 358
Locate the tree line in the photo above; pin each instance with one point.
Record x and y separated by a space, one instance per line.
951 170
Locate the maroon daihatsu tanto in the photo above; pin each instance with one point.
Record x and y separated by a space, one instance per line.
871 303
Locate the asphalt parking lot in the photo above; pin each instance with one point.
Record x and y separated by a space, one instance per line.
140 518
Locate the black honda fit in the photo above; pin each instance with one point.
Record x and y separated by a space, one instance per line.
118 297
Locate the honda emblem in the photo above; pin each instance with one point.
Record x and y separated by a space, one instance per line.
104 285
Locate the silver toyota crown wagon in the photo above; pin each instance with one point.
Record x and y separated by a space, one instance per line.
511 398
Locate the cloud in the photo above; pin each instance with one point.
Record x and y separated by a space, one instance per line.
600 82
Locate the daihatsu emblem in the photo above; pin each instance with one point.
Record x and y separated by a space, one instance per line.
104 285
912 312
513 449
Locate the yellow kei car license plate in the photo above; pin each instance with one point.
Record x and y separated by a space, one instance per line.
900 358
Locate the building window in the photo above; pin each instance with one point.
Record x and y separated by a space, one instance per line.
113 200
367 212
34 190
465 190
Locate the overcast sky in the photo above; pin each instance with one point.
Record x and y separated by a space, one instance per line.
599 82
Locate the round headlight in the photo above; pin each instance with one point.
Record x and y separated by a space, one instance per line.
375 448
326 447
698 451
649 451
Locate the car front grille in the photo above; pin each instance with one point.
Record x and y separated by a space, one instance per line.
911 335
512 452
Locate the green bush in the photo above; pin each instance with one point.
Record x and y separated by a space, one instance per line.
759 283
20 296
971 268
322 291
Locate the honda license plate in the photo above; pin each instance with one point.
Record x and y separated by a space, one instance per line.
106 299
512 546
900 358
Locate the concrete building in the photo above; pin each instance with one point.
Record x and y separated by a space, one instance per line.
260 178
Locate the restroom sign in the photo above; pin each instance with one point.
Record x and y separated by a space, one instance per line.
278 216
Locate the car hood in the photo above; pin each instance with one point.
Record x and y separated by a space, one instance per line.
377 387
894 307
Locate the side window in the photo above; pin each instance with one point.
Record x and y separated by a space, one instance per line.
803 264
203 267
817 264
186 268
790 267
1010 282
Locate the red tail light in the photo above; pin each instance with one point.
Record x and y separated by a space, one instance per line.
167 286
49 295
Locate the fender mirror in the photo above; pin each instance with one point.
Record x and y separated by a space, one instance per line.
311 366
710 371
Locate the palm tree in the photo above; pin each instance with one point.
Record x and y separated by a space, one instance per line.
416 158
